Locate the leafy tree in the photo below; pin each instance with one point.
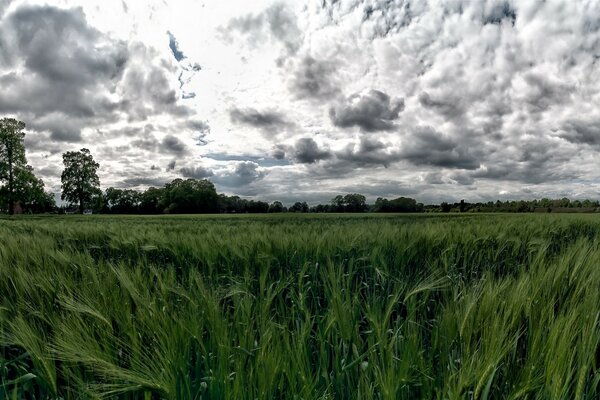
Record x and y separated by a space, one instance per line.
355 202
190 196
337 203
150 200
79 179
12 156
401 204
121 201
29 192
299 207
276 207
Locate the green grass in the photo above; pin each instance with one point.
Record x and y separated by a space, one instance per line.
300 307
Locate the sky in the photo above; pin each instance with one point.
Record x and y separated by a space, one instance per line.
301 101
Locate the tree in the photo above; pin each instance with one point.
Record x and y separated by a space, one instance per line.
79 179
28 192
276 207
150 200
299 207
190 196
12 156
355 202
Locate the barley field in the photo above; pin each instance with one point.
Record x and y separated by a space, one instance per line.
300 307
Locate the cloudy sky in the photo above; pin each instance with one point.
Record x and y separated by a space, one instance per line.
438 100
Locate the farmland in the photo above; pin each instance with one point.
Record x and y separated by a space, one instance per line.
300 306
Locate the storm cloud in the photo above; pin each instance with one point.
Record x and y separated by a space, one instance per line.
307 151
371 111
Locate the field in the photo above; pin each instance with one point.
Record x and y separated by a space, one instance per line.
300 307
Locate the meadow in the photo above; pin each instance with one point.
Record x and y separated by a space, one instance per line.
464 306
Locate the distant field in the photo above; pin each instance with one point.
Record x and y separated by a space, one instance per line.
300 307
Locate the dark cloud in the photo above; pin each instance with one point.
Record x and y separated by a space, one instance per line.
450 107
270 122
314 79
148 143
580 131
62 76
369 152
433 178
426 146
171 165
174 46
499 13
67 70
172 144
244 173
462 178
371 111
543 92
198 172
146 89
200 130
142 181
386 17
278 152
307 151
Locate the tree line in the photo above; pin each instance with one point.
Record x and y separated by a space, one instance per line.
22 192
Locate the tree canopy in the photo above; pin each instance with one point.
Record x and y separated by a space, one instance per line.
79 179
12 157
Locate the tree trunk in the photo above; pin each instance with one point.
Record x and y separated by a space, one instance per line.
11 188
80 206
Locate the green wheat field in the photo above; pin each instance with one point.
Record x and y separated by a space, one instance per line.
300 307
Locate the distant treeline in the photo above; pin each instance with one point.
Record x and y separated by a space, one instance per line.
192 196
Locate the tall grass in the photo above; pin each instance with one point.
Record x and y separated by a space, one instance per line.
300 307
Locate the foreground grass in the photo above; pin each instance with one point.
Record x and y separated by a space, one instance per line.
300 307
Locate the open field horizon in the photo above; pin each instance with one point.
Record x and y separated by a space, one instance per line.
300 306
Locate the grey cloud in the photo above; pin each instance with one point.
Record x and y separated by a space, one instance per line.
580 131
386 17
543 92
173 145
171 165
462 178
68 68
278 152
244 173
451 107
148 143
426 146
198 172
146 89
201 130
137 181
277 22
307 151
314 79
433 178
369 152
371 111
500 12
270 122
